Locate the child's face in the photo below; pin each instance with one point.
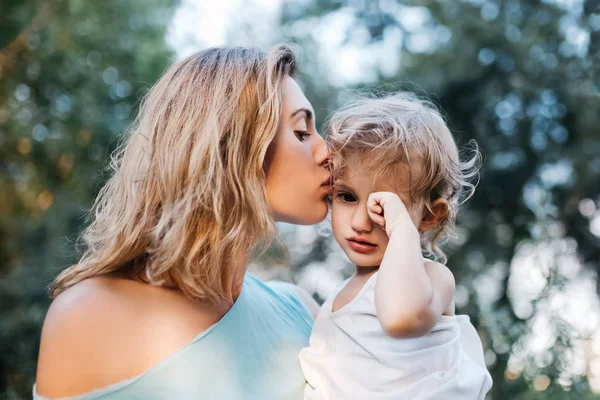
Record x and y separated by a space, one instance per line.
363 241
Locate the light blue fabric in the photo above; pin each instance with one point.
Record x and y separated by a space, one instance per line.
251 353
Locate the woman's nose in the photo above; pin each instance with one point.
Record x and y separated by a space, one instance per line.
321 152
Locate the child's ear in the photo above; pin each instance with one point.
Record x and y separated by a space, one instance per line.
430 219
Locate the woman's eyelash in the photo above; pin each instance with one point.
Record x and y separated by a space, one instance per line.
302 135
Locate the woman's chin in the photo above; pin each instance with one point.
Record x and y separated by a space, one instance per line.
312 215
320 216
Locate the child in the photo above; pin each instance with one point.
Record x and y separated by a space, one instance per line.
390 332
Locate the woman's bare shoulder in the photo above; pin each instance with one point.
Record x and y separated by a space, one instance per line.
104 330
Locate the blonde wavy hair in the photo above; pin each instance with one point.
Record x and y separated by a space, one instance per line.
188 190
403 131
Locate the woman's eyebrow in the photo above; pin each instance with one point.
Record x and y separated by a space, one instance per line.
309 114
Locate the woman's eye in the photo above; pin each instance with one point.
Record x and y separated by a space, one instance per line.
346 197
302 135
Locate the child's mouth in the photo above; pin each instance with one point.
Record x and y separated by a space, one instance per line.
361 246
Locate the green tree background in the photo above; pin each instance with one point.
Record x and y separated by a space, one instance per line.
71 75
518 76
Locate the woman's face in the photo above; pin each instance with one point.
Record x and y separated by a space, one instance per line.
297 180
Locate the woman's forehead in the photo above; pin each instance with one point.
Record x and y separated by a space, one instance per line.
294 99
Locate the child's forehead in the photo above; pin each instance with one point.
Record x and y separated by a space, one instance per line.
356 175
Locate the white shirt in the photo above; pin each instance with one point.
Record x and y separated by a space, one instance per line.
351 357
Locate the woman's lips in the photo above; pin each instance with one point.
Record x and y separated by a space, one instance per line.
361 247
326 186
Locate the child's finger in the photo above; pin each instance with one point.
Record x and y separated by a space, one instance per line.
376 208
374 202
381 199
377 218
374 198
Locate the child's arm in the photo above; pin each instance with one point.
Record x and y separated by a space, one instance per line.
410 295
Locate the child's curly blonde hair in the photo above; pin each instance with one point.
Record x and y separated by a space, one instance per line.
402 130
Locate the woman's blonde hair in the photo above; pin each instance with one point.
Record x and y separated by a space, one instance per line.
188 193
403 131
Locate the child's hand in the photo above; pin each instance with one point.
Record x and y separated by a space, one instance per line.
388 210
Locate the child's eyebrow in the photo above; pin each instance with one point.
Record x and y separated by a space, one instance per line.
342 186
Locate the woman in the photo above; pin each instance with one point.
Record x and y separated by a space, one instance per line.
160 305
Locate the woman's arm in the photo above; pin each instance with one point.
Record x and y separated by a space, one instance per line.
410 294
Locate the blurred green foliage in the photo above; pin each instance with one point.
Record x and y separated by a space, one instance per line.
518 76
71 75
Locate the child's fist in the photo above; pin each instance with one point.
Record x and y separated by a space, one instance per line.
387 210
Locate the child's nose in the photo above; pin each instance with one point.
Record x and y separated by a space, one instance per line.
361 222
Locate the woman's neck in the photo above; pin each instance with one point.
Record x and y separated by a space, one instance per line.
234 279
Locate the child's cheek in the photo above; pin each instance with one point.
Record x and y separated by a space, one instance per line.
337 222
384 240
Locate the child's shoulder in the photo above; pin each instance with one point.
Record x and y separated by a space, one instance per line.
439 272
441 277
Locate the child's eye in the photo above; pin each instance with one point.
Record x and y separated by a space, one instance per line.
346 197
302 135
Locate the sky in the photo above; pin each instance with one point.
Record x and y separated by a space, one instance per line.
198 24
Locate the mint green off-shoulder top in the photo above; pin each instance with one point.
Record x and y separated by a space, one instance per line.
251 353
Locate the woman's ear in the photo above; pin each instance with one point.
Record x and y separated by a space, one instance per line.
431 219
